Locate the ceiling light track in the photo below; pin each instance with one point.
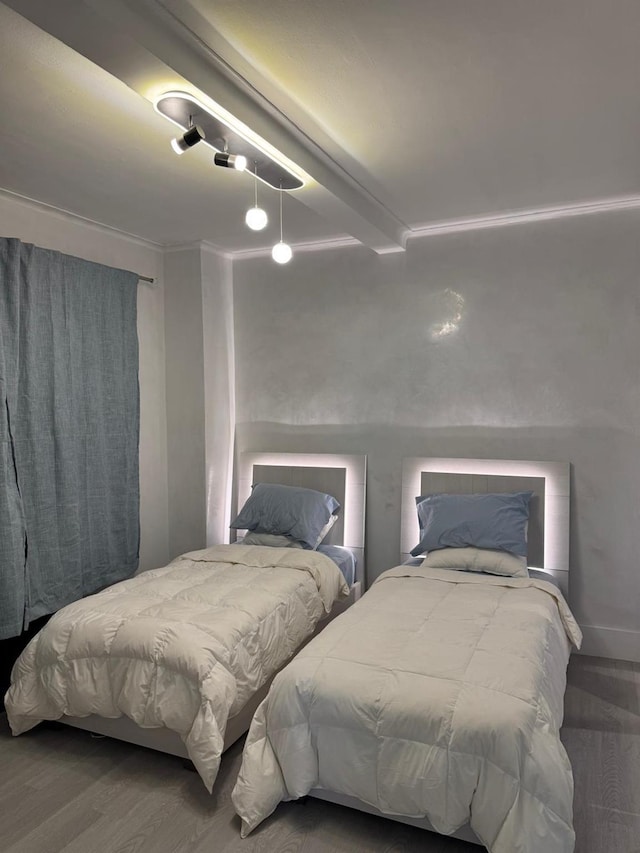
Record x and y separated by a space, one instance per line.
188 113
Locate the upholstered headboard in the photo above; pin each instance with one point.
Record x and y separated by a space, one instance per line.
548 535
343 476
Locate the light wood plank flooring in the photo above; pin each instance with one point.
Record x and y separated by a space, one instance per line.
62 791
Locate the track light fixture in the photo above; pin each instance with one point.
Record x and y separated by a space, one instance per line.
189 138
281 252
223 132
256 218
231 161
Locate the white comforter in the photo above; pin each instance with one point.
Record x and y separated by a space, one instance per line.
439 694
184 646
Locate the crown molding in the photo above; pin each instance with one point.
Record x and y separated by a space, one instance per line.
518 217
432 229
214 249
169 248
198 245
311 246
61 213
472 223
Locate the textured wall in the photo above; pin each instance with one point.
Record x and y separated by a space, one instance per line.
53 230
518 342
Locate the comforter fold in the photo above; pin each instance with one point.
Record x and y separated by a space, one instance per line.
439 695
184 646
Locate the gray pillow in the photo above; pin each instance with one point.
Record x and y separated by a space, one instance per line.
496 521
287 511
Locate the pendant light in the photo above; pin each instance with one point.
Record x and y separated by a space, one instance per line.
281 252
256 218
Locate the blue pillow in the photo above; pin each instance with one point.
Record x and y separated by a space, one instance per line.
287 511
496 521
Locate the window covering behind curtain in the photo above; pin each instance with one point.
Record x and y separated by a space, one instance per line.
69 430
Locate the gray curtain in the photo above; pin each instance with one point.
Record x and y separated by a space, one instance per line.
69 428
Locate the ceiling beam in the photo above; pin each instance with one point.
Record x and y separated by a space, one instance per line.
146 42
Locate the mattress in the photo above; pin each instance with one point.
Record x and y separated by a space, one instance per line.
438 695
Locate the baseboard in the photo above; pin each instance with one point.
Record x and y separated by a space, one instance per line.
616 643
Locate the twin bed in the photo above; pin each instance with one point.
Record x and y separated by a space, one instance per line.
178 658
436 700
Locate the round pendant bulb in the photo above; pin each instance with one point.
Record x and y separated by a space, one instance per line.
281 253
256 218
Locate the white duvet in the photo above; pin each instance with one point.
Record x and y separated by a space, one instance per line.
439 694
184 646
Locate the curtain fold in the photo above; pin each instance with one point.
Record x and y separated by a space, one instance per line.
69 430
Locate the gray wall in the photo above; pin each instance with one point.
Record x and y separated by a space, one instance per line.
514 342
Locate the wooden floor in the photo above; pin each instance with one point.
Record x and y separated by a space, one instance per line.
62 791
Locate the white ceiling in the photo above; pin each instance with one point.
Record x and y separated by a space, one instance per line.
404 113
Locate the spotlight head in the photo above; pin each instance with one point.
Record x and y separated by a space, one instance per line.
189 138
256 218
231 161
281 253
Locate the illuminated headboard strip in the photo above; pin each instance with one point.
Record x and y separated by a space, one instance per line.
355 468
556 500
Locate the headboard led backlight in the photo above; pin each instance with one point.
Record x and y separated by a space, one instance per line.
549 521
343 476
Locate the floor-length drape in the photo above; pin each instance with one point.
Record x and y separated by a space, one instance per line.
69 429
